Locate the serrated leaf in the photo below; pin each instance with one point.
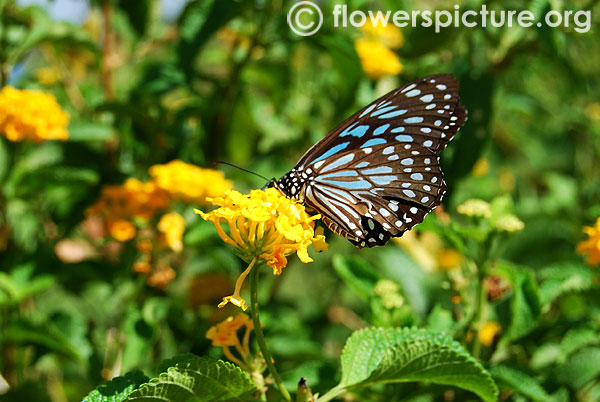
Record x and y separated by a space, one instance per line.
576 339
520 382
563 278
525 302
581 368
377 355
201 380
117 389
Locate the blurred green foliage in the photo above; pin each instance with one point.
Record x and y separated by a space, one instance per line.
228 80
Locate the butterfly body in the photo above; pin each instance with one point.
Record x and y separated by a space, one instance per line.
377 174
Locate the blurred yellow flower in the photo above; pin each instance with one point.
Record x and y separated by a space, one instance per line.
488 332
590 247
390 35
264 225
172 225
388 291
475 207
122 230
225 332
449 259
31 115
592 111
133 199
481 167
188 182
509 223
48 75
377 60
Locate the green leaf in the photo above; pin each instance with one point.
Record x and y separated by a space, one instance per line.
525 302
581 368
117 389
576 339
138 13
201 380
520 382
376 355
86 131
563 278
357 274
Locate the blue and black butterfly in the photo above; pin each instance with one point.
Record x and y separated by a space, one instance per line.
377 174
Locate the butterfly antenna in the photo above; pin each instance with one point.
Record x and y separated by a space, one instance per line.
240 168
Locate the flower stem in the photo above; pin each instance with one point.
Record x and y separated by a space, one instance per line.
260 337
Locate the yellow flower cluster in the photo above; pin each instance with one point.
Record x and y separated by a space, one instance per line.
188 182
476 208
225 332
31 115
120 205
590 247
264 225
375 50
140 210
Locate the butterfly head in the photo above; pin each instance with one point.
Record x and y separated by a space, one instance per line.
293 184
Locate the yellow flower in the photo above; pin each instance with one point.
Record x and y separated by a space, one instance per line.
188 182
377 59
449 259
475 207
488 332
122 230
481 167
509 223
390 35
388 292
266 225
591 246
592 111
31 115
172 225
225 332
133 199
48 76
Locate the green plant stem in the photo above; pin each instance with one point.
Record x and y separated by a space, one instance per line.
260 337
480 312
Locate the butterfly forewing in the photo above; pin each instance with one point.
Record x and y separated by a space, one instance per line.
377 174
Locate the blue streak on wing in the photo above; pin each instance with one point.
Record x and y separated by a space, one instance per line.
373 141
377 170
343 173
352 185
332 151
382 111
381 129
393 114
355 131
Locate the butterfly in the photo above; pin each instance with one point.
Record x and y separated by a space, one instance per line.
377 174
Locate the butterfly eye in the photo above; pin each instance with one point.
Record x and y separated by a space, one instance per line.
377 174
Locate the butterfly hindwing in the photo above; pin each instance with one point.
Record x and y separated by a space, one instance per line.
377 174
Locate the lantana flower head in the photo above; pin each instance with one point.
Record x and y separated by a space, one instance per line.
32 116
591 246
189 183
374 49
264 225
